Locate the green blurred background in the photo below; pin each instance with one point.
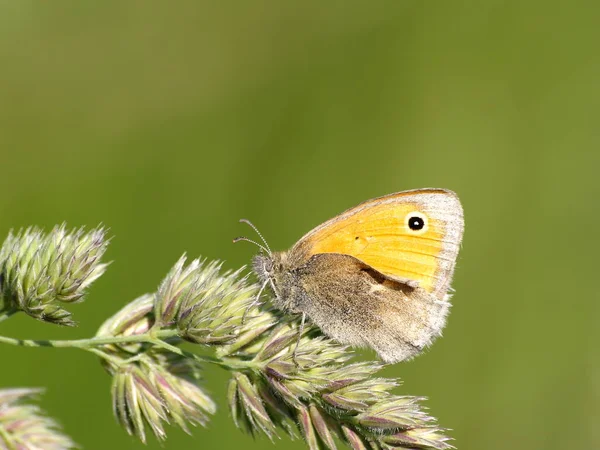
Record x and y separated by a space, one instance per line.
169 121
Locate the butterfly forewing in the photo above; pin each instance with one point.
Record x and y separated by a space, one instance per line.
411 235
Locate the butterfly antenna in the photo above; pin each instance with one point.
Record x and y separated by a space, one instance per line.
266 246
243 238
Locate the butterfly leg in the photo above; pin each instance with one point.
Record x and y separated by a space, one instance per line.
255 302
300 331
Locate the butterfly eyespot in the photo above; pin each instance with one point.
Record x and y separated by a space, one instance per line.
416 222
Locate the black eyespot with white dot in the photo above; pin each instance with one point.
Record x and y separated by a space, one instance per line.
416 222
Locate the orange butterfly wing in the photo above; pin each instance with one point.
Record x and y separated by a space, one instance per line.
408 236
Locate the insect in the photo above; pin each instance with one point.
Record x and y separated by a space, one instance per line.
376 275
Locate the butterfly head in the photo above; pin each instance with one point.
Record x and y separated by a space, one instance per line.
267 265
263 266
273 270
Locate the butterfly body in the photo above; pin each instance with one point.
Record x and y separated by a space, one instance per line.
376 275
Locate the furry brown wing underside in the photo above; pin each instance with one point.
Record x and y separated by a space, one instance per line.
357 305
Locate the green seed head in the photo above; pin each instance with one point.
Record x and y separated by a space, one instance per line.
41 272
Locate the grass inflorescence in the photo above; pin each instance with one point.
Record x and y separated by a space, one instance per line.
282 383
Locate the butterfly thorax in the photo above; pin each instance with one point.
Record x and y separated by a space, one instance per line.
274 269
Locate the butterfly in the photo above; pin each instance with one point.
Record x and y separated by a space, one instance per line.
377 275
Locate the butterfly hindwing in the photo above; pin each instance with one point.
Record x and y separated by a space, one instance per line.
357 305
